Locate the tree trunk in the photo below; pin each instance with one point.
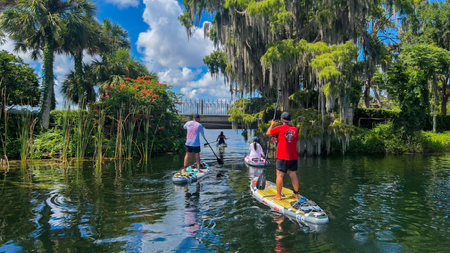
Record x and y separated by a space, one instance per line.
445 96
366 103
285 94
48 79
377 97
78 75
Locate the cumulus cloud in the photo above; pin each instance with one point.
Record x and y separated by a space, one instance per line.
165 43
207 86
176 59
124 3
177 77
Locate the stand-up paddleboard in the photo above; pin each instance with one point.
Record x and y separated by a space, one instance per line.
191 174
256 162
221 145
301 210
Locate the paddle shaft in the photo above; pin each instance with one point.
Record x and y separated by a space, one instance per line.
261 183
209 143
218 159
274 115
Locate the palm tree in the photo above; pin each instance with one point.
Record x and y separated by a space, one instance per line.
79 36
115 67
38 26
116 37
105 39
79 93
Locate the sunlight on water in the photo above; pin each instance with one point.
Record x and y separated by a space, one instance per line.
375 204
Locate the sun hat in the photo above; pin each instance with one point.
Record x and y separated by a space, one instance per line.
286 117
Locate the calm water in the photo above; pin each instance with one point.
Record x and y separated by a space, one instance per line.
375 204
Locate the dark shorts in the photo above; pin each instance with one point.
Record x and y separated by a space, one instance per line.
191 149
284 166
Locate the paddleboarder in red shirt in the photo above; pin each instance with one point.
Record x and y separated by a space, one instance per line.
287 157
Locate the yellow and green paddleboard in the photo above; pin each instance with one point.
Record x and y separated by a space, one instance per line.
302 209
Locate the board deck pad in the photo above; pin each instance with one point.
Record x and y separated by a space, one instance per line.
301 209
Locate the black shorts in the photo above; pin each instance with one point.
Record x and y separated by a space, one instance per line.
284 166
191 149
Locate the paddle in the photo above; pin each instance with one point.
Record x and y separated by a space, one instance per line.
261 183
208 143
218 159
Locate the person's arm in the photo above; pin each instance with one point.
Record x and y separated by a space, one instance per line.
262 151
268 133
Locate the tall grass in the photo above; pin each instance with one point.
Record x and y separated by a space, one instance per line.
99 140
85 126
66 133
26 124
119 136
130 124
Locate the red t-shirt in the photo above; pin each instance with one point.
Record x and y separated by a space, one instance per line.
287 142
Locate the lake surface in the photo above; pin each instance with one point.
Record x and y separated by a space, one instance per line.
375 204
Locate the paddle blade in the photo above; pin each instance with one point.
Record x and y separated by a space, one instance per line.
261 183
219 161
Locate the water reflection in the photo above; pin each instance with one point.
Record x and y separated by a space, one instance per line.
375 204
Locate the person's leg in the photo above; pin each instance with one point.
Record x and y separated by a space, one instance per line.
293 166
197 158
294 180
186 159
280 176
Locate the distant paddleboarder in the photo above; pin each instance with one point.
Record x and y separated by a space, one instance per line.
221 138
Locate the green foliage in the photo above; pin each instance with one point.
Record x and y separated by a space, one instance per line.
18 80
255 110
385 138
216 62
368 117
407 81
48 144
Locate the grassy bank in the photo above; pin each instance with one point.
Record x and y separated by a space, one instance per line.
385 139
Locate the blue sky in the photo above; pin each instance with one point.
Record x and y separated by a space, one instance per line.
159 41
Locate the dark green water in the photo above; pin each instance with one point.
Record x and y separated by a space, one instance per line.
375 204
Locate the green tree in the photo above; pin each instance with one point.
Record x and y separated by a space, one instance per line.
430 24
80 35
19 81
408 81
38 26
115 67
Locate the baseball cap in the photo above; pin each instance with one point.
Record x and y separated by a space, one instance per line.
255 138
197 115
286 117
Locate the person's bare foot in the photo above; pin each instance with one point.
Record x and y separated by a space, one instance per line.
295 196
277 198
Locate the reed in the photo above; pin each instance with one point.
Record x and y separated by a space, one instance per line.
118 151
5 119
26 125
85 126
146 136
66 133
154 134
130 124
99 140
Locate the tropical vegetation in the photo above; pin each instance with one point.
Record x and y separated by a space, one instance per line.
328 59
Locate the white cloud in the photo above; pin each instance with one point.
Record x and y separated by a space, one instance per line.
176 77
165 44
124 3
207 86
